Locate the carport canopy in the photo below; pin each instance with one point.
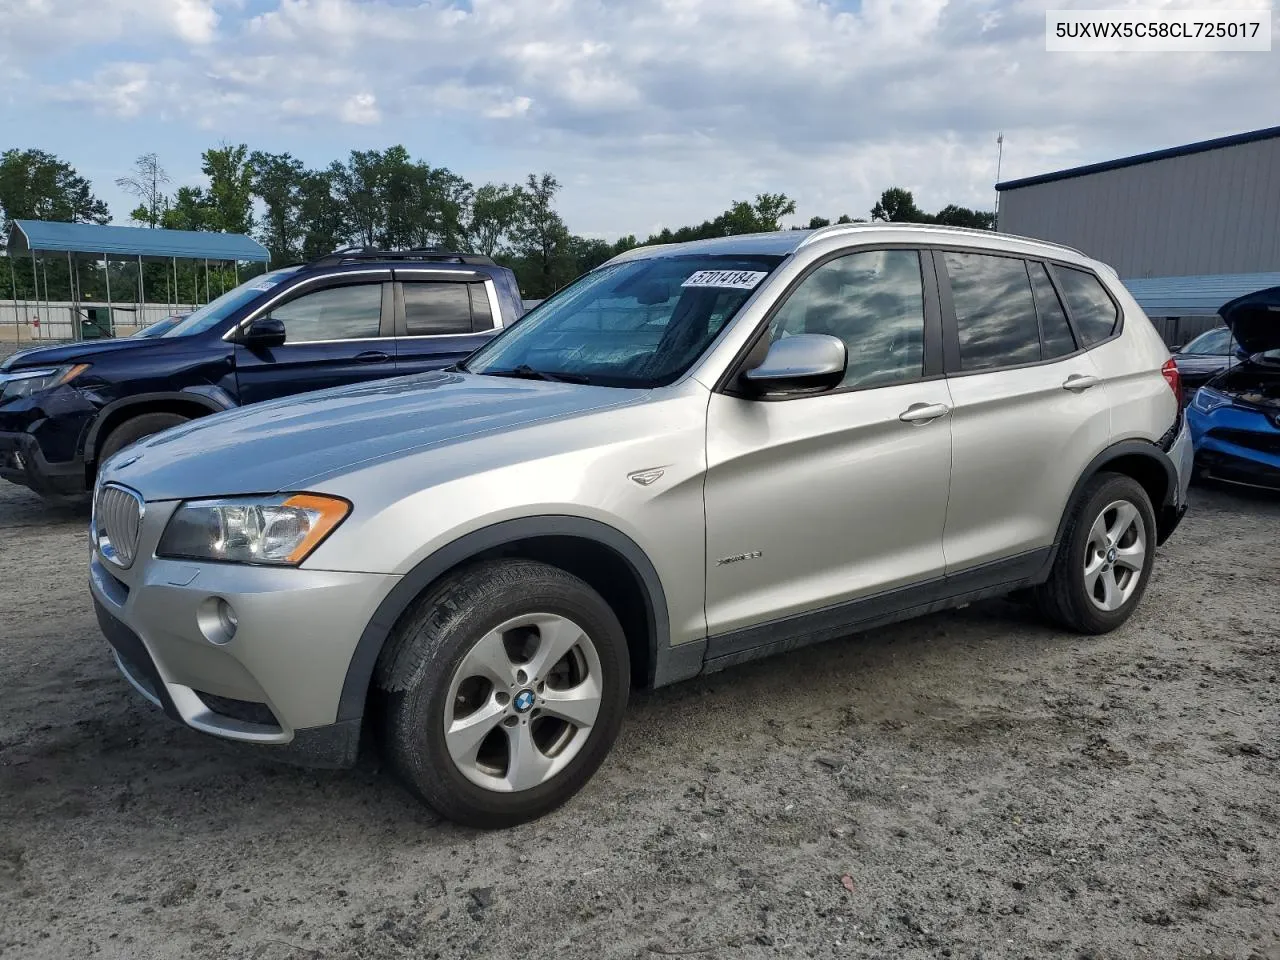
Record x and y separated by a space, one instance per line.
94 241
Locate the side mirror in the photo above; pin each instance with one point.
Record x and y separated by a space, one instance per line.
804 363
264 333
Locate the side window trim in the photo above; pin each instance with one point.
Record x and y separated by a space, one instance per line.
951 329
1052 267
401 322
933 363
310 285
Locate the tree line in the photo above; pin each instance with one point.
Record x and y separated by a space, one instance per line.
374 198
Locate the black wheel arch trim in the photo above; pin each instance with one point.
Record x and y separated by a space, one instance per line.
213 399
355 687
1125 448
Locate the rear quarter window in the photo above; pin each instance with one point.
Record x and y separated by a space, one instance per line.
1094 312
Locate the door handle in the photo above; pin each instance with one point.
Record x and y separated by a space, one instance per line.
1079 382
924 412
372 356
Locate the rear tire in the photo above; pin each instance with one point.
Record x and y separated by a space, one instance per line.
1104 562
473 692
131 431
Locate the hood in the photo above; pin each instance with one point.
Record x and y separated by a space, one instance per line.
286 445
83 352
1254 320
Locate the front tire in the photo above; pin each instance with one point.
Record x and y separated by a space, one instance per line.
1104 562
133 430
501 692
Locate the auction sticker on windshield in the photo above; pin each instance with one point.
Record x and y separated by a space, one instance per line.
726 279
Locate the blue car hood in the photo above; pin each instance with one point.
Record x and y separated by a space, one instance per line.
1254 320
85 352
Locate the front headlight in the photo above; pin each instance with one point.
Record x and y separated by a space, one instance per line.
23 383
280 530
1208 400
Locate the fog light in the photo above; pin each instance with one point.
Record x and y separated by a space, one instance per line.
228 616
217 620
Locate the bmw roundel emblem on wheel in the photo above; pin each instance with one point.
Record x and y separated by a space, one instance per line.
523 701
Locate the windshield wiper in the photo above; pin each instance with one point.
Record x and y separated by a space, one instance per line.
526 372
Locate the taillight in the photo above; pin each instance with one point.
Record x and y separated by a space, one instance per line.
1172 378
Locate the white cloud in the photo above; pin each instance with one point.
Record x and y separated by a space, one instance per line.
663 111
361 108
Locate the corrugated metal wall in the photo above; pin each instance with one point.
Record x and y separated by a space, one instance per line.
1211 212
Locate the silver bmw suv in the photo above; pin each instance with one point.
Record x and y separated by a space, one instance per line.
693 456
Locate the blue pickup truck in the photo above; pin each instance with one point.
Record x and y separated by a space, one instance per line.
348 317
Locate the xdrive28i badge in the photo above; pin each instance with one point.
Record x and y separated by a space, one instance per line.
739 557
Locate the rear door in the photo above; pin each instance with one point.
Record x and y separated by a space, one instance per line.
337 330
441 317
1028 415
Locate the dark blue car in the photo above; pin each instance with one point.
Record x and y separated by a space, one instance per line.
1235 417
345 318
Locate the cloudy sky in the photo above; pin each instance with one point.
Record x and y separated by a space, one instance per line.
651 112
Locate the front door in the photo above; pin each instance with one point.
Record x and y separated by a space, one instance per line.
334 335
817 500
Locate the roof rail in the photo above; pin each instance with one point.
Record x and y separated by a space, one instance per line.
424 254
839 229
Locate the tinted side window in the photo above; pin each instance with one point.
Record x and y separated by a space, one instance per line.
1056 338
481 312
435 308
338 313
874 302
1094 313
995 311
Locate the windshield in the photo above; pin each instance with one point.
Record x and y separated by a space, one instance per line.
215 311
641 323
1214 342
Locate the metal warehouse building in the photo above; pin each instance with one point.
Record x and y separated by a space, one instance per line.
1187 228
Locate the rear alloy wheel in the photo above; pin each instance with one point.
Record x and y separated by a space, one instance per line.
1105 558
1115 556
502 690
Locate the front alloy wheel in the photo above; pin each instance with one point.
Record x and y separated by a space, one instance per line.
502 690
523 702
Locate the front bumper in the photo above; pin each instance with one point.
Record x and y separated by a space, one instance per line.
23 462
1237 445
276 681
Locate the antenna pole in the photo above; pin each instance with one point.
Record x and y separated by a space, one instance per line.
999 161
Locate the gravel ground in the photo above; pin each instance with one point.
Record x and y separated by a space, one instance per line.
968 785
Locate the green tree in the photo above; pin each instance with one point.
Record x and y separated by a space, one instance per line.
230 194
816 222
147 184
541 241
358 185
277 182
494 211
322 219
191 209
35 185
899 206
955 216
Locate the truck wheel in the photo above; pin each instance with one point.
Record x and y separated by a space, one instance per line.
1104 562
501 692
134 430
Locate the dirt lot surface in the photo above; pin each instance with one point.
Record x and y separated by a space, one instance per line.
968 785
